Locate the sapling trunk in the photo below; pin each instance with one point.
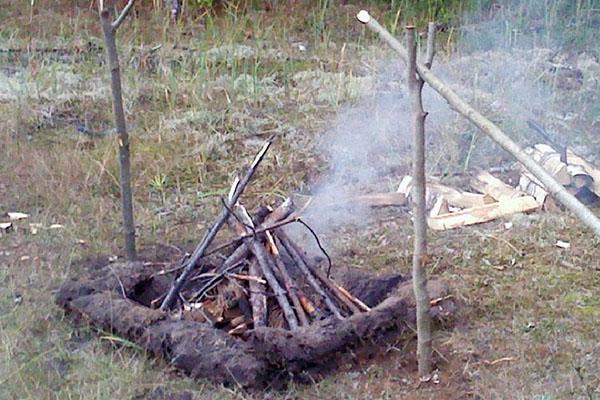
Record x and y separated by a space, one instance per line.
415 87
109 29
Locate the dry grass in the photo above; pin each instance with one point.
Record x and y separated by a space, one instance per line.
195 115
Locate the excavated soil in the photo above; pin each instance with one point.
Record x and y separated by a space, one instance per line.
116 297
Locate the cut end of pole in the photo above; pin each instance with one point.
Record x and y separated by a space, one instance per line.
363 16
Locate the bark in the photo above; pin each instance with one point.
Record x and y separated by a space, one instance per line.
258 297
490 129
109 29
415 86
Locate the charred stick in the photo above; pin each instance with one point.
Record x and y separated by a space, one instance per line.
258 299
264 261
299 261
287 281
235 192
332 286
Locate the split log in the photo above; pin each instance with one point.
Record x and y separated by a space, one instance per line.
439 207
550 160
489 212
486 183
373 200
454 197
527 184
590 168
489 128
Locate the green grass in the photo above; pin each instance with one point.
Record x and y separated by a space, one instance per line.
197 112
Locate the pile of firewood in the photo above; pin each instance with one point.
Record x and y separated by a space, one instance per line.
266 281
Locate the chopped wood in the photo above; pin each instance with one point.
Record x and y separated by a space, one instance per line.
486 183
307 305
579 177
590 168
439 207
550 160
250 278
476 215
355 300
454 197
529 186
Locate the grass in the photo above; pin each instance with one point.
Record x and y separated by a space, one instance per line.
197 111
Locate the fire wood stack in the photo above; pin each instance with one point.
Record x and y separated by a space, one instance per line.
266 281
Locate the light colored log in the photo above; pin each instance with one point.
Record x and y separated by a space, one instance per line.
528 185
489 128
590 168
549 158
486 183
454 197
439 207
477 215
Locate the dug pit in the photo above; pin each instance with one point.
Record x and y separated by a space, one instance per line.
118 296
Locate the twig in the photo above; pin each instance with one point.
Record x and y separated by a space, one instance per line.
212 232
318 244
258 299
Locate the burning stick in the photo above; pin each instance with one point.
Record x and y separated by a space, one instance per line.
235 192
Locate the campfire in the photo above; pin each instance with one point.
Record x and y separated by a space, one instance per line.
254 310
266 281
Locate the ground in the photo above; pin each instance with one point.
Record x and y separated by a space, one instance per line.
200 97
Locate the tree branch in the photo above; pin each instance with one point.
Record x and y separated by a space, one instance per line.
431 31
115 25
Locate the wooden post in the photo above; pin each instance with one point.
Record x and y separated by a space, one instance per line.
110 28
415 87
489 128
